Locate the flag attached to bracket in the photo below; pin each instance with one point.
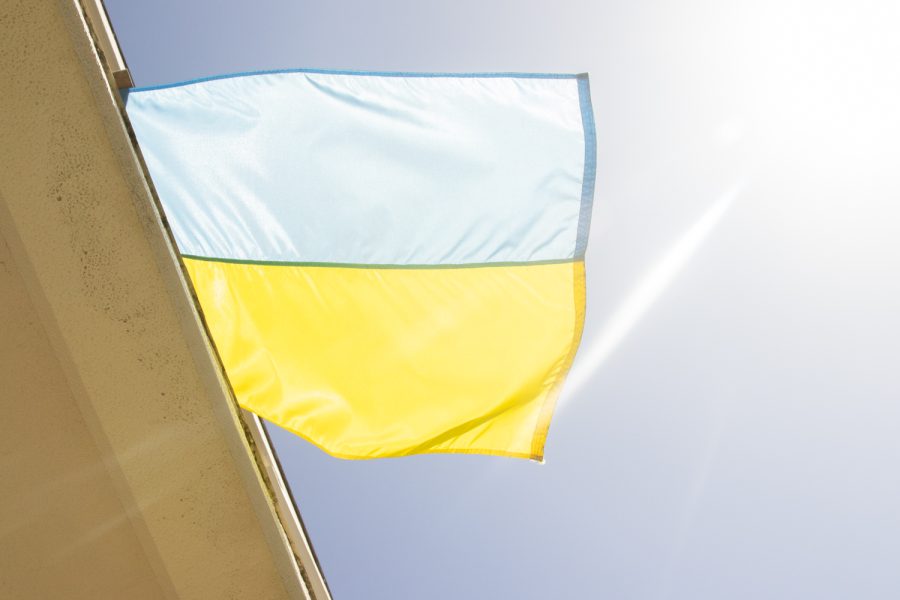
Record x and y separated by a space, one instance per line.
388 263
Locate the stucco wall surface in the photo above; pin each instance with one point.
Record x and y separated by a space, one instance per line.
124 472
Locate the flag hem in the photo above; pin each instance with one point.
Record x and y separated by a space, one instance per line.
424 266
491 75
589 175
400 453
545 416
579 281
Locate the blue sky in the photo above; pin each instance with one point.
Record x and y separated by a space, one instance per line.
732 425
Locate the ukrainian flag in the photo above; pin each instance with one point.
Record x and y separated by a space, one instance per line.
388 263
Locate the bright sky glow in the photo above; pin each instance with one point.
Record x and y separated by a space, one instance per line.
732 426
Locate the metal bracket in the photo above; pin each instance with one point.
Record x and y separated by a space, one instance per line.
98 19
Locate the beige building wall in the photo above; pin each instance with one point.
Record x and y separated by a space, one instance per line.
65 532
125 470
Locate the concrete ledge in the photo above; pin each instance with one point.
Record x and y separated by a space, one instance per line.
95 290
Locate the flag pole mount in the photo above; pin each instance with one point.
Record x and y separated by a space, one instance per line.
105 37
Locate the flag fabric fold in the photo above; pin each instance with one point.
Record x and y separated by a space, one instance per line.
388 264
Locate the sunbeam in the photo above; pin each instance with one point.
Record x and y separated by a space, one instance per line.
642 297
